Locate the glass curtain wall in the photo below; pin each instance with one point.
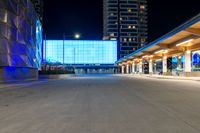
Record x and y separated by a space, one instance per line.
158 67
196 61
178 65
80 52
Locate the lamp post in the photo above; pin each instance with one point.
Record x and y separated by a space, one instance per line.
63 51
76 36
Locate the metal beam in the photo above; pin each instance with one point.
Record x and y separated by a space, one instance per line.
193 31
194 47
181 40
163 45
147 52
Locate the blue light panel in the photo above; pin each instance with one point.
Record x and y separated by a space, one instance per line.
80 52
196 58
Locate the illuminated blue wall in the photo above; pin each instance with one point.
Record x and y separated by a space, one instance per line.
20 41
79 52
196 61
20 35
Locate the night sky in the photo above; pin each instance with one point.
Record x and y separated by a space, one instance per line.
86 17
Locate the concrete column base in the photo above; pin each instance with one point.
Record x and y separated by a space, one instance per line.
164 73
188 74
192 74
12 74
167 73
150 73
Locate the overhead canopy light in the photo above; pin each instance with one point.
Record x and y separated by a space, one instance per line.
159 51
145 56
184 42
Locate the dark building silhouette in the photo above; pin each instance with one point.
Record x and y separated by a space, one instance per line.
38 4
126 21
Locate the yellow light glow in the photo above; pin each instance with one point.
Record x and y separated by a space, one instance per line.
159 51
145 56
163 51
188 51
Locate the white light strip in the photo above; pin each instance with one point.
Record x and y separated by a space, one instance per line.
159 51
184 42
145 56
163 51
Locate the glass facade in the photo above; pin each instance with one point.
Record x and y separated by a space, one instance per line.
20 35
196 61
79 52
178 65
158 67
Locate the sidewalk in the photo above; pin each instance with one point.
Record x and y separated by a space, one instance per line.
7 85
164 77
19 84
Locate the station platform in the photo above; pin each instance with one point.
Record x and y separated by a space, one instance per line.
163 77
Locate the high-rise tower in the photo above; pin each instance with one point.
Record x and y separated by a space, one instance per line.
126 21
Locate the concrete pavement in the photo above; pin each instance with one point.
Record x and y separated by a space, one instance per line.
101 104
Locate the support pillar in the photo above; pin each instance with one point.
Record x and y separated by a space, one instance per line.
188 63
140 68
150 67
127 69
165 65
123 67
133 68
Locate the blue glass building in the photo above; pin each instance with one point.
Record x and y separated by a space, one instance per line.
20 40
79 52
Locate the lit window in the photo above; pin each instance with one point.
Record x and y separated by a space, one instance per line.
112 34
142 7
113 39
143 40
129 27
129 10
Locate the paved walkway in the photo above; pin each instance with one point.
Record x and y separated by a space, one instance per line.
101 104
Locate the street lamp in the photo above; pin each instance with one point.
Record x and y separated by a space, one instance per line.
77 36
